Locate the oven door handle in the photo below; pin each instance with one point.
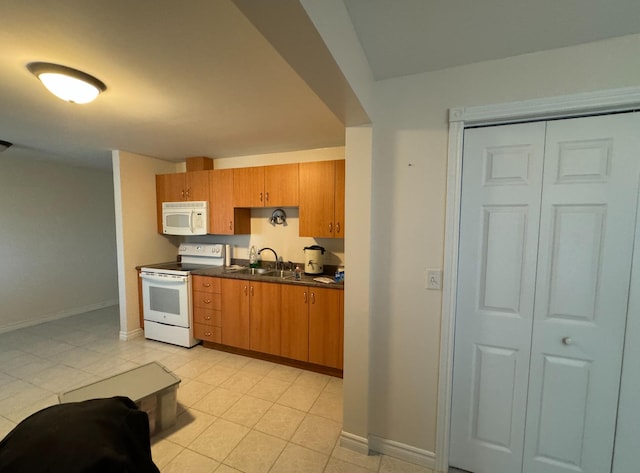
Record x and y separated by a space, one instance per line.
176 279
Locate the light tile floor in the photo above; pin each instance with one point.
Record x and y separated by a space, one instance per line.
235 414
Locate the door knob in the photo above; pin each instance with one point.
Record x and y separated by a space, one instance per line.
567 340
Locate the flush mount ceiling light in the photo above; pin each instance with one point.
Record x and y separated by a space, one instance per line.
66 83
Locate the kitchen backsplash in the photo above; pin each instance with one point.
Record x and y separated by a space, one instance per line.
283 239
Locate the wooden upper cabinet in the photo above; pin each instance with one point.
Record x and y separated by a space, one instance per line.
248 187
338 225
170 187
281 184
224 219
182 186
266 186
197 185
322 199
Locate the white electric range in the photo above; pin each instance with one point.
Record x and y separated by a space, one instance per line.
166 293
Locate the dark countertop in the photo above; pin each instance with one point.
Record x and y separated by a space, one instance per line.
306 280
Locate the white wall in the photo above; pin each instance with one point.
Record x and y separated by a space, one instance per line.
138 240
57 240
410 128
409 176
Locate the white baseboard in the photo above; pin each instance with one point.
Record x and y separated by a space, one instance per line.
354 442
402 451
57 315
135 333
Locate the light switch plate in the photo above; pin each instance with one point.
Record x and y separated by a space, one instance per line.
433 279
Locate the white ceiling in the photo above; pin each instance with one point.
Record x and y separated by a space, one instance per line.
402 37
199 78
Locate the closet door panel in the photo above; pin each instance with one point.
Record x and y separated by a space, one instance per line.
502 182
587 228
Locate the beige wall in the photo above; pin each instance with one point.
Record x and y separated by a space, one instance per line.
52 217
410 147
137 238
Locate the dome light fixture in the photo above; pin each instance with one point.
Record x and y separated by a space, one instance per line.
66 83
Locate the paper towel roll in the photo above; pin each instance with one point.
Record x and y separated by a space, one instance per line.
227 255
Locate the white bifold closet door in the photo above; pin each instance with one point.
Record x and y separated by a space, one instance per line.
547 225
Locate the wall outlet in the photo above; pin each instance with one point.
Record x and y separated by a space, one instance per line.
433 279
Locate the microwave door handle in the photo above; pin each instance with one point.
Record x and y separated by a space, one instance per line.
191 220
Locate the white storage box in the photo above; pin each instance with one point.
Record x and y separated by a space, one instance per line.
152 387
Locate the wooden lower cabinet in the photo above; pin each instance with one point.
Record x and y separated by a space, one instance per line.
312 325
302 323
235 313
294 324
264 315
325 327
207 315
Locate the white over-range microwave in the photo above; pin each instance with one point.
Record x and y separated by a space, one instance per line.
185 218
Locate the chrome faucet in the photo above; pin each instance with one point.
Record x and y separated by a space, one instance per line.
272 251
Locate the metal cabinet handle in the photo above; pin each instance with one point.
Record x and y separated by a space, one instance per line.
266 197
260 196
188 190
567 340
207 317
313 297
252 291
207 284
337 227
245 290
331 228
305 297
230 225
182 193
207 301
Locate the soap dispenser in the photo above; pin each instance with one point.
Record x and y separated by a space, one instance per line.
253 257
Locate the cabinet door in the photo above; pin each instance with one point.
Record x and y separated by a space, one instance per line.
235 313
294 324
325 329
169 188
338 219
197 185
281 185
265 317
223 218
248 187
317 184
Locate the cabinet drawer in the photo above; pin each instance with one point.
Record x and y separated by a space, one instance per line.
206 300
206 284
207 332
207 316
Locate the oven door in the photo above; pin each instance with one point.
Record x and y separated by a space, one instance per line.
166 298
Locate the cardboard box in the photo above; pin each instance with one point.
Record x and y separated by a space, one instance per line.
152 387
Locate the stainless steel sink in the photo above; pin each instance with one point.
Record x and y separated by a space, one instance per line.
257 272
274 273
